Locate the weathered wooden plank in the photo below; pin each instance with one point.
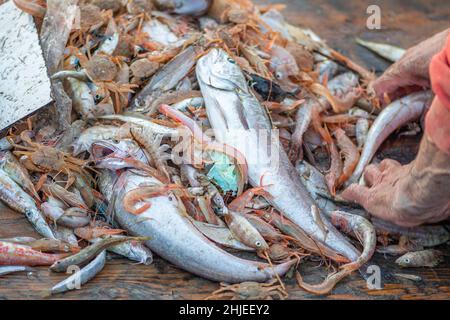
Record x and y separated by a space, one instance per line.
122 279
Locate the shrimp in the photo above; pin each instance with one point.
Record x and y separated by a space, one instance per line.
350 153
150 142
145 192
335 170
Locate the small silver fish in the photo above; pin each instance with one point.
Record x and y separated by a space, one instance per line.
131 250
83 276
17 199
411 277
386 51
426 258
12 269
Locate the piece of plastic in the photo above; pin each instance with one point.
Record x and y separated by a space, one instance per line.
223 172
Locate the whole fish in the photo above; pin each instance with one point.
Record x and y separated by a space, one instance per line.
143 122
13 269
81 277
17 199
89 252
426 258
426 236
45 245
221 235
131 250
245 232
411 277
176 239
387 51
12 254
97 133
17 172
237 119
82 98
167 78
390 119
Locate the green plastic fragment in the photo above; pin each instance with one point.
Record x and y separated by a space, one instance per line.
223 172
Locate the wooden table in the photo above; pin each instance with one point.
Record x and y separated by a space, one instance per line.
404 23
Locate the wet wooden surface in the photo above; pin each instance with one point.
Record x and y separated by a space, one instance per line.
404 23
122 279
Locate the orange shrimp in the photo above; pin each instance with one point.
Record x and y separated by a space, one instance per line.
89 233
335 169
350 153
240 202
146 192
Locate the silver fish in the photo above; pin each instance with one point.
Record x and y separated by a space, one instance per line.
144 122
97 133
390 119
239 120
426 258
134 251
17 172
175 238
82 98
17 199
83 276
13 269
426 236
167 78
220 235
387 51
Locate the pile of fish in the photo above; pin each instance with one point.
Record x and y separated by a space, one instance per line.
198 129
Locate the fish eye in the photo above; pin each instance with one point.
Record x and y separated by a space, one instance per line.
407 260
98 98
258 244
278 75
231 61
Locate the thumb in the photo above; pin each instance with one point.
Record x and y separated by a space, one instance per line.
356 193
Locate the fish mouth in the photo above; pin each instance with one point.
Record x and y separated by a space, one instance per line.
101 150
213 77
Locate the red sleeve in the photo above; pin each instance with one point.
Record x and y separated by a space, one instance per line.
438 118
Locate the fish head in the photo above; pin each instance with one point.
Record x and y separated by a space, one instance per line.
404 261
219 70
261 245
114 154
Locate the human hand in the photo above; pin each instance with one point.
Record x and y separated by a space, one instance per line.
387 196
411 72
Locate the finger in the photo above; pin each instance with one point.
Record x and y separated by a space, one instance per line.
356 193
372 175
388 165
